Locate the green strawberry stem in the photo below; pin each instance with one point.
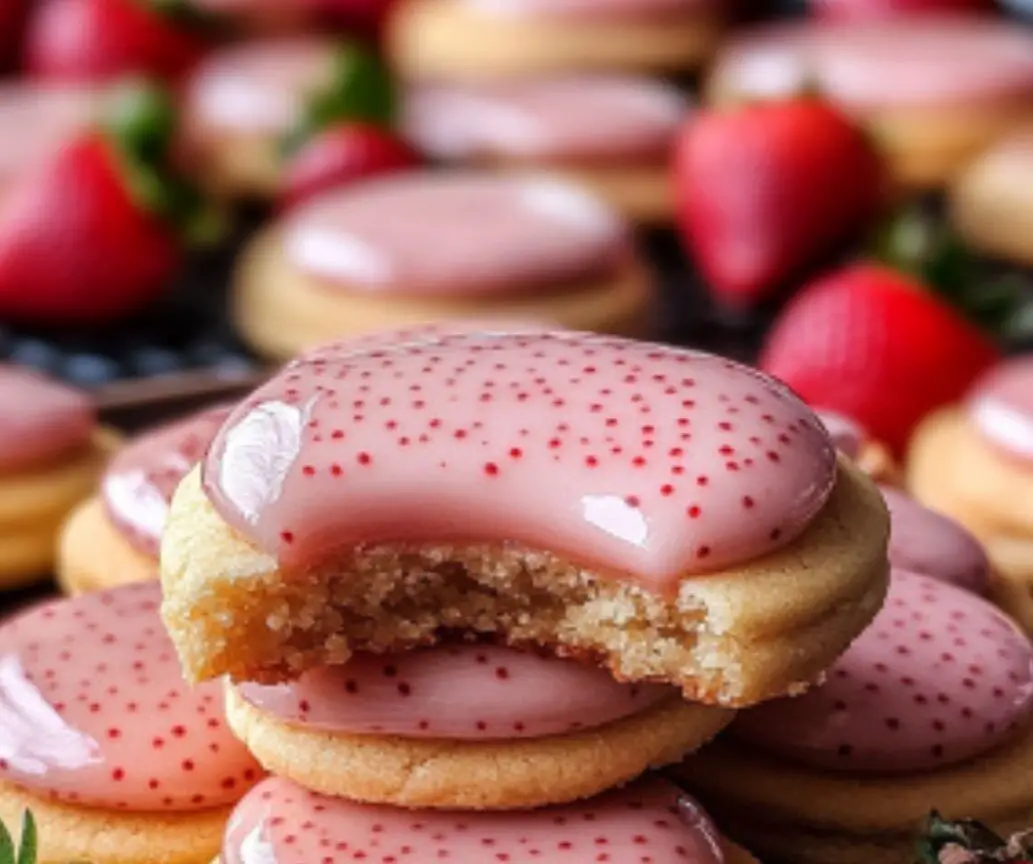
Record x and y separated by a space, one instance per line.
26 853
360 89
970 842
141 123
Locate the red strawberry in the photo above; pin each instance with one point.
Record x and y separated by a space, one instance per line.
765 188
883 10
103 39
91 234
875 345
344 154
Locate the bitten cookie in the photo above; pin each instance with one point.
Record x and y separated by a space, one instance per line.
648 822
428 246
466 726
673 515
933 91
974 462
851 439
932 707
112 538
51 452
118 759
613 135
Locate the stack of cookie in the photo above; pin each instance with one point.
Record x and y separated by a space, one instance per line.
465 583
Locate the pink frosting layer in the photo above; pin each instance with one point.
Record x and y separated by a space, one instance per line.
941 676
138 484
847 435
926 542
255 87
37 120
468 692
455 234
591 118
94 710
651 821
1001 407
40 420
934 61
593 9
658 461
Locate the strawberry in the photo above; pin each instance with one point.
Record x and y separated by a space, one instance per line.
12 19
970 842
875 345
764 189
888 10
365 17
344 154
103 39
26 851
91 233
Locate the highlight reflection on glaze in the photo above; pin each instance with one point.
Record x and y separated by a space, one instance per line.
1001 407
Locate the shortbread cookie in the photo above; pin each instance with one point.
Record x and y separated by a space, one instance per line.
429 246
466 726
673 515
112 538
852 439
612 134
648 822
932 707
933 91
118 759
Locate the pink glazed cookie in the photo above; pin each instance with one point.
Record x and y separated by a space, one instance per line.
51 451
436 245
974 462
686 493
932 707
103 740
612 134
934 90
280 823
112 538
854 441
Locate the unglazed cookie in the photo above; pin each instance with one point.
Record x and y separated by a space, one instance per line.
470 40
112 538
930 708
51 451
280 823
992 200
614 135
933 91
426 246
671 514
854 441
118 759
466 726
974 462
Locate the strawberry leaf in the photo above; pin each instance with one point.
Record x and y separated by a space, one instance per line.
27 854
6 846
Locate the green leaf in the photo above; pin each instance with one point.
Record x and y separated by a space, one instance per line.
6 846
29 848
939 833
190 14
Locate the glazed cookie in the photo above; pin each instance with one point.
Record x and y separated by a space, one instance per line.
466 726
51 452
280 823
932 707
992 201
112 538
425 246
614 135
975 463
697 528
470 40
853 440
118 759
933 91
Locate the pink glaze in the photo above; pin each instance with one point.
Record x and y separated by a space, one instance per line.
94 710
621 10
650 821
138 484
644 459
847 435
36 120
471 692
1000 406
928 61
926 542
576 118
40 420
257 87
940 676
456 234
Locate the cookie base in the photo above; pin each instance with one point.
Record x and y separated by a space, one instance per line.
68 833
475 775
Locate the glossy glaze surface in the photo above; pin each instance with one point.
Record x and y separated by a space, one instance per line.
1000 407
